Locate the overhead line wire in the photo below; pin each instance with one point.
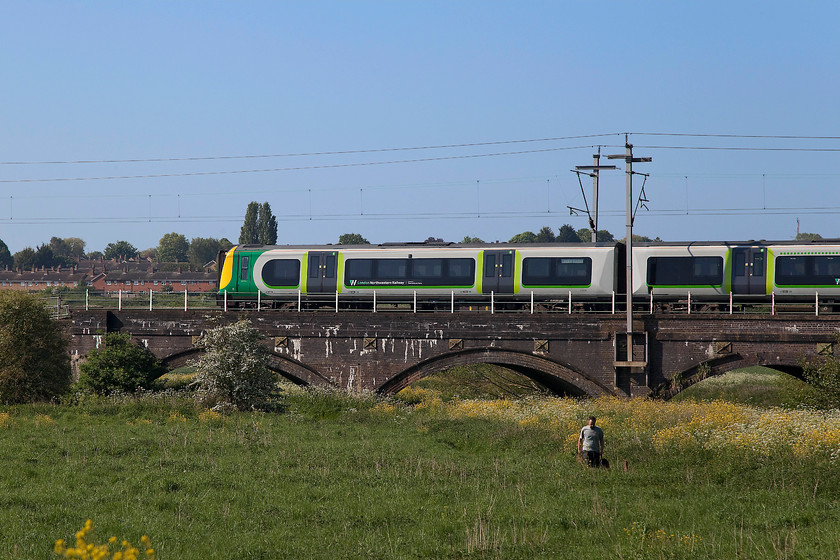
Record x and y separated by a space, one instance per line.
304 154
739 149
280 169
754 136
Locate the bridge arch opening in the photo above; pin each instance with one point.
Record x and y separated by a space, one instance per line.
558 378
288 368
715 371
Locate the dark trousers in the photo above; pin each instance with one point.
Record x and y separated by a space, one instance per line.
593 459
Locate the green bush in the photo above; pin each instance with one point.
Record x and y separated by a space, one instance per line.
233 373
122 365
34 362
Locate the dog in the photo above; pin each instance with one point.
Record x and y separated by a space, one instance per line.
583 460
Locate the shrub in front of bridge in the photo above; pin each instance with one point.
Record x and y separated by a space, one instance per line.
122 365
34 363
824 374
234 371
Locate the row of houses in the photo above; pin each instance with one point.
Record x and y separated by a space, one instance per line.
113 276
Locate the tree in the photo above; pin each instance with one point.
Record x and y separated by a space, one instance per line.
173 247
234 372
807 237
567 234
122 250
150 253
524 237
59 247
603 236
431 239
249 234
34 362
644 239
6 258
468 240
203 250
545 235
352 239
43 257
68 249
121 365
25 258
824 373
267 225
260 225
225 244
75 246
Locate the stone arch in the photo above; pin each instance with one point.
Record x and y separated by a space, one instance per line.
296 371
715 367
291 369
559 378
180 359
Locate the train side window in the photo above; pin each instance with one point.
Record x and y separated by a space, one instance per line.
808 270
556 271
758 264
314 267
460 271
507 265
281 273
329 269
740 264
428 269
489 266
827 266
685 271
392 269
358 269
243 271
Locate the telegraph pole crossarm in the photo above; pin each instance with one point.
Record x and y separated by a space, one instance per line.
595 168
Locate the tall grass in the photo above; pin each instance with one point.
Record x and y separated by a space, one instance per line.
337 476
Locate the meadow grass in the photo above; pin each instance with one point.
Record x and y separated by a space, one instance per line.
341 476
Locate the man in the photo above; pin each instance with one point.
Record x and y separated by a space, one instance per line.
591 441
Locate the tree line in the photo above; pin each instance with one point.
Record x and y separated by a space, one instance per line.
259 226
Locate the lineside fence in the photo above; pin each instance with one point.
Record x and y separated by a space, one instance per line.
60 304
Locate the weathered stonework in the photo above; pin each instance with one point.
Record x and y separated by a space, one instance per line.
571 354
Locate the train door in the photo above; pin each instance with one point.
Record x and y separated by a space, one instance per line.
498 272
321 276
749 270
242 274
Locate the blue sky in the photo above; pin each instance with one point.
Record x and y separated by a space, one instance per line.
166 80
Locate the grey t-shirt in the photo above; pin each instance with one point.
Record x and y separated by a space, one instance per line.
593 438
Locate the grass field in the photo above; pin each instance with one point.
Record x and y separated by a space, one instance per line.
335 476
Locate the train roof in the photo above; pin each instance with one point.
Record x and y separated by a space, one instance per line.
748 243
424 245
502 246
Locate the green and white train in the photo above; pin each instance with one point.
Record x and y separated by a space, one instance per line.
590 272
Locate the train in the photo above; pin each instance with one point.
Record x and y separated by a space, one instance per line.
276 276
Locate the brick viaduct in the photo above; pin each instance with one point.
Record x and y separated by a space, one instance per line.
571 354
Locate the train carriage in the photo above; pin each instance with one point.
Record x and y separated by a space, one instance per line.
746 270
590 272
280 273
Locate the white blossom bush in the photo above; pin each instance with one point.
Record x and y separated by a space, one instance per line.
233 372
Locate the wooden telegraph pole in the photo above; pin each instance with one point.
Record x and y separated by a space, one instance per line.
629 160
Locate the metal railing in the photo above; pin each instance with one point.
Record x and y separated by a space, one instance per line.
417 302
